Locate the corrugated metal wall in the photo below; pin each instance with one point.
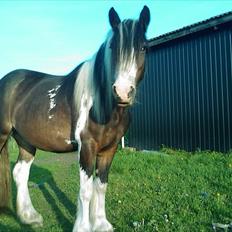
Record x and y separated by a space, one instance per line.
185 99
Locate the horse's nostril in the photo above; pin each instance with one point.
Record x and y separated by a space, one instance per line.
131 92
114 89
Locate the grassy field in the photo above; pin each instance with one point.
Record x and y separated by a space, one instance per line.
168 191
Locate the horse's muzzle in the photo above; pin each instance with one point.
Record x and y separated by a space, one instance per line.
124 96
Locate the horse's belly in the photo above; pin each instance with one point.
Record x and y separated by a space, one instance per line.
51 132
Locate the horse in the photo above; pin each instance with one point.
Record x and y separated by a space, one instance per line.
86 111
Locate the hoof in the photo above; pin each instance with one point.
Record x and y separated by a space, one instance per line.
102 226
31 218
81 228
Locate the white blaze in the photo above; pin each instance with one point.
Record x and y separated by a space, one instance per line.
126 80
127 68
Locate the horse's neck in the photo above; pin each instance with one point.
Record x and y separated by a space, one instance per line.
103 101
103 104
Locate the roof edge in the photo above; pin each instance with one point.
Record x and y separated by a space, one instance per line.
193 28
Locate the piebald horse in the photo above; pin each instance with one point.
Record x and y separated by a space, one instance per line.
85 111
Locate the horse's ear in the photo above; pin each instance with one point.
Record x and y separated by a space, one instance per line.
144 18
114 18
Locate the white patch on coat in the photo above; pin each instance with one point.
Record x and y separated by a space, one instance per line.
83 97
51 95
25 209
97 207
82 120
52 102
68 141
82 222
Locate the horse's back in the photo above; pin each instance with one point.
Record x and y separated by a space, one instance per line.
15 86
9 82
19 80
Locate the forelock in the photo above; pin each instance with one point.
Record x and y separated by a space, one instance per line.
130 36
126 42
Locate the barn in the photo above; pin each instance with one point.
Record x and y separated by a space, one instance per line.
185 99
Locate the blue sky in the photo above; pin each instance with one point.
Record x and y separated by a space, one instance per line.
54 36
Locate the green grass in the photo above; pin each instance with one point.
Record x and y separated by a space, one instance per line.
168 191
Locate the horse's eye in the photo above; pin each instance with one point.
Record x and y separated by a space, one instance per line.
143 48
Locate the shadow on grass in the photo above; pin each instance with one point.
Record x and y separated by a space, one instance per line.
51 185
12 215
11 229
44 180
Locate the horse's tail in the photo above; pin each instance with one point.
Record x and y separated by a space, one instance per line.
5 178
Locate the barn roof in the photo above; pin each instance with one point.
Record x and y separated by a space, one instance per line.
213 23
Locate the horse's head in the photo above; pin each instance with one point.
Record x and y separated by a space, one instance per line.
128 47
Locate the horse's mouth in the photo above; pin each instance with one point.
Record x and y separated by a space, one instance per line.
123 104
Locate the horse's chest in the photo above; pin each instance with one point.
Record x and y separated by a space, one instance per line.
110 134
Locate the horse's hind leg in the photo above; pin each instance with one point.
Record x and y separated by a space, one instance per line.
25 210
97 206
5 177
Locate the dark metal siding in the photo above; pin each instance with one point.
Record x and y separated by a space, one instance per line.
185 99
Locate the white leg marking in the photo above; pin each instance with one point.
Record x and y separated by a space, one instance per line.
82 223
25 209
97 208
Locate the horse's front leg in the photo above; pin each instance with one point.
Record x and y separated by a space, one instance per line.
87 158
97 205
